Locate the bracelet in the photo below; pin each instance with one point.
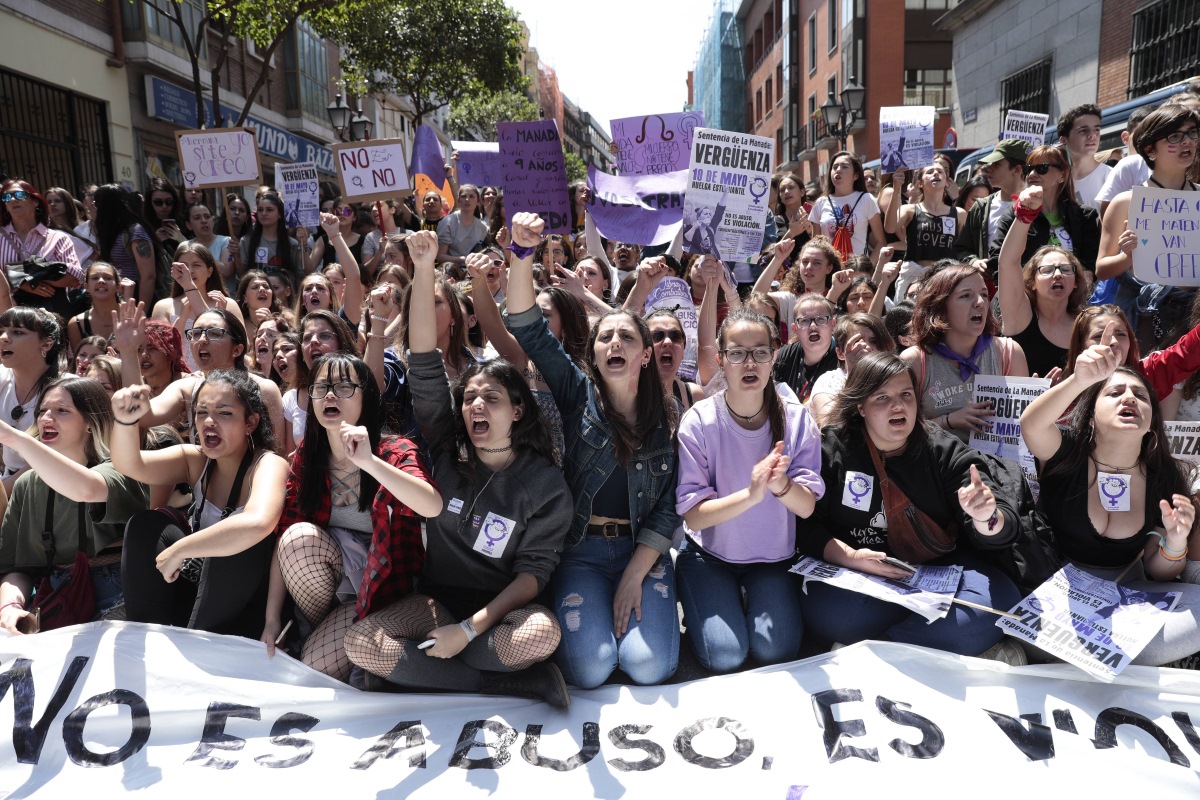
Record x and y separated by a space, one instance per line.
17 603
1026 215
378 318
130 424
468 629
377 336
785 491
519 251
1180 556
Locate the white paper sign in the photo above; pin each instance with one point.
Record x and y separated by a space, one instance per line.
218 157
1167 223
375 170
1027 126
928 591
1009 397
858 489
725 208
1185 440
1113 488
905 137
300 189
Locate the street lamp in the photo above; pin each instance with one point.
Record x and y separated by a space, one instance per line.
357 127
840 116
360 127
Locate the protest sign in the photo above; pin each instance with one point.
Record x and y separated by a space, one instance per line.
1167 223
1095 624
374 170
929 591
1009 397
675 295
905 137
110 709
642 209
1026 126
1185 440
725 209
656 143
218 157
535 174
301 193
479 163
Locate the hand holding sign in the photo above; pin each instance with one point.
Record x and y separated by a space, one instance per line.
1128 240
973 416
1099 361
976 499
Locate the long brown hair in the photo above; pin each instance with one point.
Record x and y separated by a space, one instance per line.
793 281
775 414
1079 335
1057 156
863 381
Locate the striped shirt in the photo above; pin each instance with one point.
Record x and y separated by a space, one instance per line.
41 241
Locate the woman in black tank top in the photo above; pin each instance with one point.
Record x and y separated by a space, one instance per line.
932 223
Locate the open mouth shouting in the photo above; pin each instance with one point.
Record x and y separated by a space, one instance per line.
48 434
897 422
479 427
210 439
204 356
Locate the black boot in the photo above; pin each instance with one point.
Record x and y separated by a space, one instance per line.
540 682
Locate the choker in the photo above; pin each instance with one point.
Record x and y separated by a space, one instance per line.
743 416
1100 463
494 449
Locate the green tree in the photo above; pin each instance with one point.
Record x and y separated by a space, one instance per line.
476 115
433 51
576 167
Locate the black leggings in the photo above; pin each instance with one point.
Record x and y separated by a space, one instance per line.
231 597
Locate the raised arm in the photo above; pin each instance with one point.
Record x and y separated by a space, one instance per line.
353 296
896 217
143 257
783 249
382 310
172 465
885 277
526 233
649 274
129 336
422 321
419 495
65 476
488 313
1015 307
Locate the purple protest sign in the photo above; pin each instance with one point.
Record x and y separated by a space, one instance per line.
479 163
535 175
642 209
654 144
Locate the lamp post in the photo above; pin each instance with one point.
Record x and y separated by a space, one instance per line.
348 128
840 115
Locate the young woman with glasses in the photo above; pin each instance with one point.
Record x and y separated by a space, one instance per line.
198 287
735 447
808 354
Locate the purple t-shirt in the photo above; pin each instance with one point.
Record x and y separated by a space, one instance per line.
716 456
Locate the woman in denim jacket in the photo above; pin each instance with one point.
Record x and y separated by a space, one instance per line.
614 589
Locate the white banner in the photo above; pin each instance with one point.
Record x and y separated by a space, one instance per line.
905 137
297 184
1009 397
725 208
1027 126
111 709
1167 222
1095 624
929 591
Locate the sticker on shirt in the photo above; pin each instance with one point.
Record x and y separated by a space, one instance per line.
261 255
949 226
494 535
455 505
1114 491
857 491
1064 239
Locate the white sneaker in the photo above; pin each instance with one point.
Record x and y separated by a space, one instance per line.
1006 652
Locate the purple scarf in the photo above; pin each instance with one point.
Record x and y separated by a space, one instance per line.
967 367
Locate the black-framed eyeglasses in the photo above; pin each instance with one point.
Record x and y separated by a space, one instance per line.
19 194
1040 169
212 334
1048 269
738 355
821 320
341 390
660 336
163 202
1178 136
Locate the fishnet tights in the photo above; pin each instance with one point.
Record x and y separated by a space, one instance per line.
311 563
523 638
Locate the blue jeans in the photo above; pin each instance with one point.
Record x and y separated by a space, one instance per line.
106 582
724 629
838 615
582 588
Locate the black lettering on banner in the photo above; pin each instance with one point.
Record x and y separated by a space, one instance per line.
742 749
1189 731
403 736
27 738
467 742
1112 718
1036 742
619 736
932 739
139 732
591 747
1064 721
215 737
290 722
833 731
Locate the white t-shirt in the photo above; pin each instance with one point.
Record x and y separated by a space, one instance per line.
1129 172
823 215
1088 188
294 415
998 208
9 401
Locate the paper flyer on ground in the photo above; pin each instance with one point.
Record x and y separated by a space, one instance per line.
1095 624
929 591
1009 397
725 209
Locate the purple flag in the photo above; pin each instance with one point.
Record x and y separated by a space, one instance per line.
656 143
428 167
535 175
641 209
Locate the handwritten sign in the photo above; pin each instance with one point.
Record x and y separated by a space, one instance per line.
218 157
655 144
297 184
905 137
376 170
1026 126
725 208
479 163
1167 223
535 175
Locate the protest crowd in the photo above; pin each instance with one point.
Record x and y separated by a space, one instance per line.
434 446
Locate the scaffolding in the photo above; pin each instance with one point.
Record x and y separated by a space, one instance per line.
720 77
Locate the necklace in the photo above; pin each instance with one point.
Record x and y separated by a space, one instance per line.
19 410
1186 184
1100 463
743 416
494 449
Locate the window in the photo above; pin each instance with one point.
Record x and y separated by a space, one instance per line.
305 72
927 87
758 109
831 17
831 87
1027 90
157 19
769 92
1166 45
812 43
930 5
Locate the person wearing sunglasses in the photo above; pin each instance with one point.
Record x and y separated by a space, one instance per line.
749 460
163 210
670 342
1058 219
25 232
324 251
461 231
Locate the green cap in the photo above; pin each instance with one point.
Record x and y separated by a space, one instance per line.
1016 149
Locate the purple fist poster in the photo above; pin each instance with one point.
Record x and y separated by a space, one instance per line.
535 175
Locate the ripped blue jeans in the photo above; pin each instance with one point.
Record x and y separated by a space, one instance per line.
582 588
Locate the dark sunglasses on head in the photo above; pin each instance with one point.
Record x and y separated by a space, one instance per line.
1040 169
660 336
9 197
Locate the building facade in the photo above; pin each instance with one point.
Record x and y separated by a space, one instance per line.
719 75
762 24
1148 45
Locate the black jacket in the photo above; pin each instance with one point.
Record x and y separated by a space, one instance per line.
1081 223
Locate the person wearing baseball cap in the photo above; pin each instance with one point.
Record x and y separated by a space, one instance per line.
1004 170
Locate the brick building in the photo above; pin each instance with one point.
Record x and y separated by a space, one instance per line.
1147 46
762 23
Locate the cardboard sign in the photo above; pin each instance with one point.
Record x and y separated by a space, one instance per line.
655 144
479 163
535 173
1026 126
298 186
218 157
375 170
1167 223
905 137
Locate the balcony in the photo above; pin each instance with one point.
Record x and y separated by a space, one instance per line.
806 149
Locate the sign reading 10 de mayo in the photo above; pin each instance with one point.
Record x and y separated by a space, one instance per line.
218 157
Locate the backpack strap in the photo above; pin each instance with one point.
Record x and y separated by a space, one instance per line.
48 545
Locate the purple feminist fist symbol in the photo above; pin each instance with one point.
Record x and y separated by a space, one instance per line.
1114 497
858 482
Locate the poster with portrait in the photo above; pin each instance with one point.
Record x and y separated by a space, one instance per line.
905 137
725 208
